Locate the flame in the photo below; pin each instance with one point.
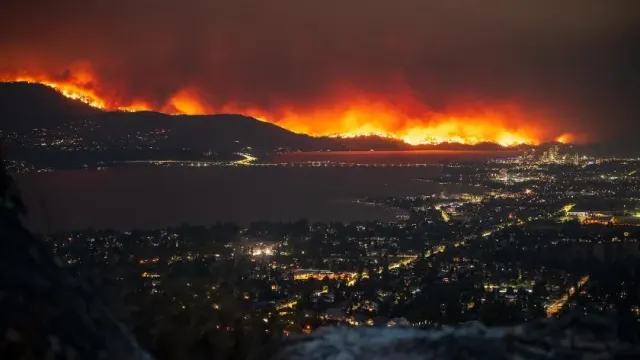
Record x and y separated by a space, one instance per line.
347 114
69 90
565 138
186 102
425 128
377 116
80 86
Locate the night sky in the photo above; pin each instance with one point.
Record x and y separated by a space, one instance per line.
568 64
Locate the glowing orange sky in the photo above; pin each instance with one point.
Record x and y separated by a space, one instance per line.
348 114
423 71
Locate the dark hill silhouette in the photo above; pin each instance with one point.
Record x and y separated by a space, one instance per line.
25 106
218 132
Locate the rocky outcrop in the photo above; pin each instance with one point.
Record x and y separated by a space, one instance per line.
572 337
45 313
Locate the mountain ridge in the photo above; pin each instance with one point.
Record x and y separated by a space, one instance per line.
25 106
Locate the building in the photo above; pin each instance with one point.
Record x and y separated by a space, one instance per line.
305 274
578 213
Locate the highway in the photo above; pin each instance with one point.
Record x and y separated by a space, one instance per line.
247 159
555 306
445 216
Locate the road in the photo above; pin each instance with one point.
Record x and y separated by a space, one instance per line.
557 305
247 159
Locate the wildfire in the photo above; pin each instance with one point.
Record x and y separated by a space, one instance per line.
351 115
565 138
365 116
70 91
81 86
426 128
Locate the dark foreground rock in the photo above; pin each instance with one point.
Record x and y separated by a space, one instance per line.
572 337
45 313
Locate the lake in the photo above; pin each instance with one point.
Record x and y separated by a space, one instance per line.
146 197
150 197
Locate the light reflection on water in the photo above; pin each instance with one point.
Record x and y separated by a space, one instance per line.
392 157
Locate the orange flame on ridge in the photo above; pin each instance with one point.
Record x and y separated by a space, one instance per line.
566 138
352 116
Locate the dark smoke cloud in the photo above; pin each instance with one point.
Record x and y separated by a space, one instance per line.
575 58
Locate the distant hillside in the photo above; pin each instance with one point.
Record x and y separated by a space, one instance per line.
216 132
25 106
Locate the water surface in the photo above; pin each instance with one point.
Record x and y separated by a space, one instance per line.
149 197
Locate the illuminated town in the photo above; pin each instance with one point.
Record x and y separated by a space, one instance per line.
542 234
